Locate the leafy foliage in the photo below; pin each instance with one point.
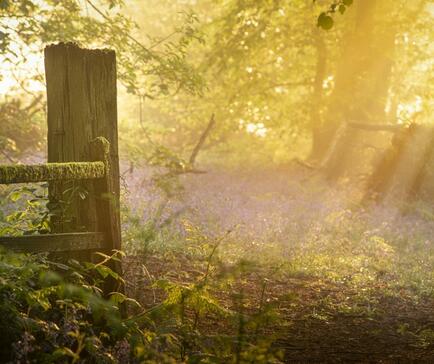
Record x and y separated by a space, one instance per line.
22 127
32 24
55 312
52 312
23 210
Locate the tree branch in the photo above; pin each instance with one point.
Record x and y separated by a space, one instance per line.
202 139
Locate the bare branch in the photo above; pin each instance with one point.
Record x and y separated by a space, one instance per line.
202 139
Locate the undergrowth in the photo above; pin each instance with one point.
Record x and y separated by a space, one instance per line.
205 297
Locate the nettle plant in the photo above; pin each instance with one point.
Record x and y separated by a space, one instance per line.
54 312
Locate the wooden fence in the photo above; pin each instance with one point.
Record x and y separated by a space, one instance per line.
82 151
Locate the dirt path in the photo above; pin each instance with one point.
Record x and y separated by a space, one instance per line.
313 325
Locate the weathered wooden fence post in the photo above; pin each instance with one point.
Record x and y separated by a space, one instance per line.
81 99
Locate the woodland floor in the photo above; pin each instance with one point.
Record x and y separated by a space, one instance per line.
310 331
345 296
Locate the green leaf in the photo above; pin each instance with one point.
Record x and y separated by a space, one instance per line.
117 297
65 352
325 21
103 271
15 196
347 2
342 9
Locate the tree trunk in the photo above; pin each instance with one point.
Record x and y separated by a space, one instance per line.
316 122
362 82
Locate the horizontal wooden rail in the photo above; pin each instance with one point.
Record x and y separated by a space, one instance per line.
54 242
51 172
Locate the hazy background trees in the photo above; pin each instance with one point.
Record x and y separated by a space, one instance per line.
279 76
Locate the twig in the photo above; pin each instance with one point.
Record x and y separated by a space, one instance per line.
129 36
211 255
146 272
163 39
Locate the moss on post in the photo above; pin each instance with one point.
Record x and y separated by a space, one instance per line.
100 150
51 172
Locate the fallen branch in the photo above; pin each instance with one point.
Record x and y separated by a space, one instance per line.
187 171
305 164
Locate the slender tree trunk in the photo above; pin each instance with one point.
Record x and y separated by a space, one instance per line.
345 100
316 122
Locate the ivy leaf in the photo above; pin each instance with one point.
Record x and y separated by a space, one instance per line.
342 9
325 21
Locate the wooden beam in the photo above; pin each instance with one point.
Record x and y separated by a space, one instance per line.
55 242
51 172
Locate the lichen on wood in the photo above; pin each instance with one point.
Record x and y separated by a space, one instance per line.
51 172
